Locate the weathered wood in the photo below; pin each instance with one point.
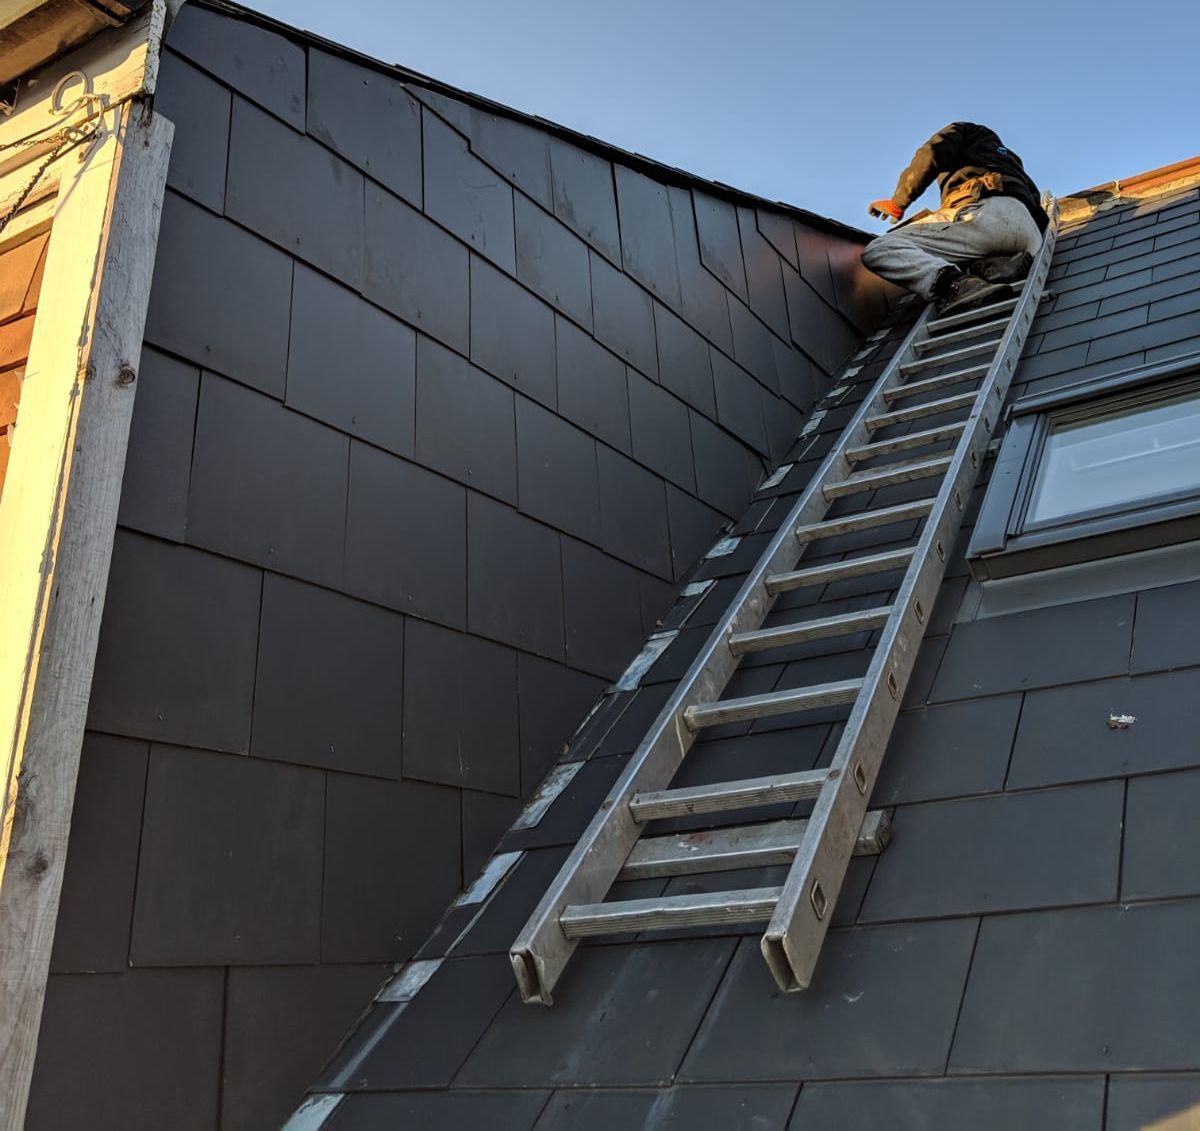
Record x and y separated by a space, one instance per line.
57 521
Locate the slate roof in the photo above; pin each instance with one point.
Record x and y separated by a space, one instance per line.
1022 955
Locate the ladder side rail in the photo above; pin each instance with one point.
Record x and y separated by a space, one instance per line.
541 950
793 938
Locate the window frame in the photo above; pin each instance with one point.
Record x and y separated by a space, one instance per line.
1004 543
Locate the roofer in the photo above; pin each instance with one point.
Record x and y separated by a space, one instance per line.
984 234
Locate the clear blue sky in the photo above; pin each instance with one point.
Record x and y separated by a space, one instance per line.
819 104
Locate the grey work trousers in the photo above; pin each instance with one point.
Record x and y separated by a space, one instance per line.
911 256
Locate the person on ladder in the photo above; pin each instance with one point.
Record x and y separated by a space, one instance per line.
983 236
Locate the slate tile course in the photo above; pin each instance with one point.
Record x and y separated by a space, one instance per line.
1162 837
552 261
674 1109
624 316
557 477
438 1111
199 109
592 386
1163 632
647 242
584 196
602 610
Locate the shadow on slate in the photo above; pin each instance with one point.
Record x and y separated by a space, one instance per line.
1031 1104
1139 1103
675 1109
871 984
622 1015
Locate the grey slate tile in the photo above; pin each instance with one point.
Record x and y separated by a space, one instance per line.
96 902
136 1049
415 270
647 237
350 364
486 817
512 333
662 436
268 485
424 1043
220 297
518 151
1050 848
177 649
406 537
1162 836
552 261
720 243
1146 1101
154 490
694 528
705 305
282 1024
812 247
514 579
320 218
1032 1003
817 329
602 610
776 228
658 598
633 514
460 710
391 864
438 1111
230 862
1066 643
554 700
683 361
726 471
584 197
674 1109
346 104
465 196
1064 734
740 402
199 109
753 343
592 386
1031 1103
764 278
871 980
622 1015
466 424
624 316
1164 632
503 916
1094 328
571 811
557 480
1166 331
263 66
955 750
330 673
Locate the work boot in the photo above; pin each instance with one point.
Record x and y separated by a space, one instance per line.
967 292
1003 268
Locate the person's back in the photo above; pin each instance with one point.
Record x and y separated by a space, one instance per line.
989 208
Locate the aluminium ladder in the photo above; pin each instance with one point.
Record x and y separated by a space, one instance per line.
981 348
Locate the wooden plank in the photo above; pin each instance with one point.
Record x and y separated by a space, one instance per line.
10 394
14 341
58 516
18 267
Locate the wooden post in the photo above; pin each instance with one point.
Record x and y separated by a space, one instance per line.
58 517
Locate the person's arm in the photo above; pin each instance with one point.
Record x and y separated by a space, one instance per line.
939 154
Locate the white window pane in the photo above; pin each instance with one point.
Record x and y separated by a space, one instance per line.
1135 454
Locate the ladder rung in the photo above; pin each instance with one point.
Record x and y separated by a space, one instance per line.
903 443
852 567
666 912
743 794
951 358
952 320
747 846
929 408
772 703
887 476
964 335
844 624
864 520
915 388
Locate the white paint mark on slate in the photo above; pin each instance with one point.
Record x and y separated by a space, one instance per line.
407 984
558 780
312 1113
698 587
496 869
645 659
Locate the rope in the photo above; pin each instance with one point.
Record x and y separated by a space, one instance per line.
66 139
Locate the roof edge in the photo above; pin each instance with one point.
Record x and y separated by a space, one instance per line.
1154 182
669 174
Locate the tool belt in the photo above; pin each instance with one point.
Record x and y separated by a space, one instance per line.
974 190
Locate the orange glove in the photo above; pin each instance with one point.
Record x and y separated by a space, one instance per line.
885 210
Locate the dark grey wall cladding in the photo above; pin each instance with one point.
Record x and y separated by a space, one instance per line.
436 411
